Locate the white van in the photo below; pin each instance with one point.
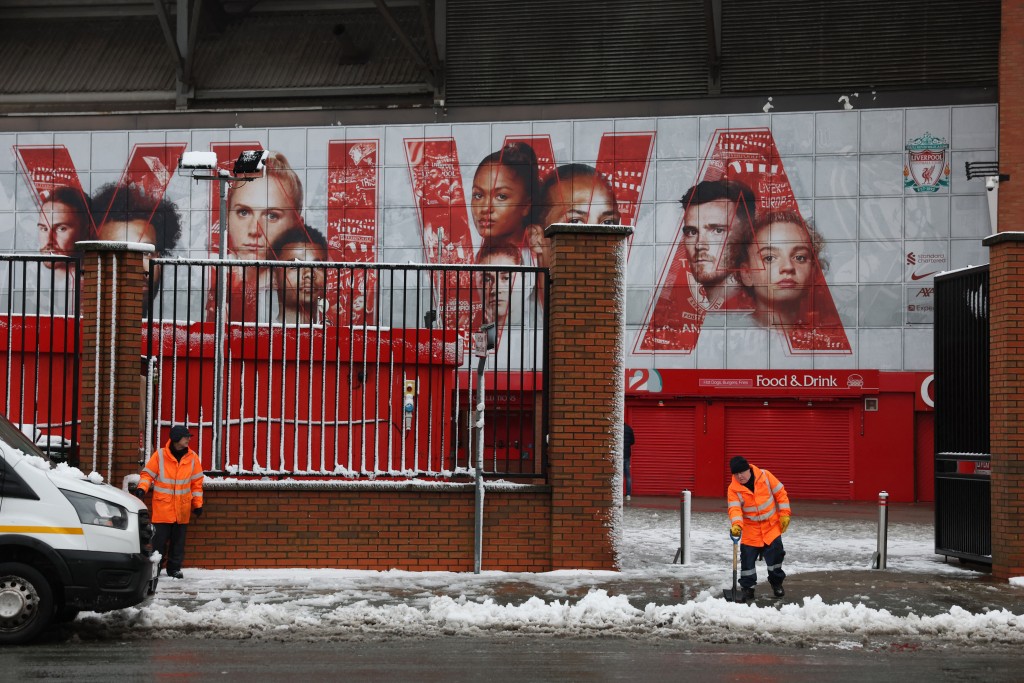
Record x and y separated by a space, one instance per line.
68 542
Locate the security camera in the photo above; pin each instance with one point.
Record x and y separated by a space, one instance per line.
991 182
206 161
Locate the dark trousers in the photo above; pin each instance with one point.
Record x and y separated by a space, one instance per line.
175 534
773 555
629 477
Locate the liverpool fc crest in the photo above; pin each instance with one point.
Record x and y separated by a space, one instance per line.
927 166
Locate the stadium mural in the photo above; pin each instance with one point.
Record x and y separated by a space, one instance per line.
790 240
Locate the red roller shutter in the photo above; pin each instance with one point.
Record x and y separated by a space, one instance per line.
807 448
664 456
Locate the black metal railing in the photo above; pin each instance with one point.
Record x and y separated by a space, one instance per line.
348 370
39 349
962 452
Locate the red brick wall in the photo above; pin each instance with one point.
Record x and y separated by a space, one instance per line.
1006 309
360 528
1011 106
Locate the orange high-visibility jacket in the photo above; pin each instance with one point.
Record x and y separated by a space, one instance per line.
758 511
177 485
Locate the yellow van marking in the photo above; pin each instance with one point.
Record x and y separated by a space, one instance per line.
69 530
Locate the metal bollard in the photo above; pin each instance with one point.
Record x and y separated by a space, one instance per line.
683 554
883 531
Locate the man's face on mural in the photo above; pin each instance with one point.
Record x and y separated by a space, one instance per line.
706 235
131 231
300 287
497 288
60 227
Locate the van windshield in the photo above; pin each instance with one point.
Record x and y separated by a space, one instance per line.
15 438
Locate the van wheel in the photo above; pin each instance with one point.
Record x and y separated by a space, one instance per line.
26 602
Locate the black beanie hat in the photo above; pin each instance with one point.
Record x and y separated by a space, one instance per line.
738 464
179 432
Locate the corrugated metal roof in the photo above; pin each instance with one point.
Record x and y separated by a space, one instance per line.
808 45
536 51
526 52
258 52
84 56
301 51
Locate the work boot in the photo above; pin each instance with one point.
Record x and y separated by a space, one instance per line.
748 594
176 574
778 590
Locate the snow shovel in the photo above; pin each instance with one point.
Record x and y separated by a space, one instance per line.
734 595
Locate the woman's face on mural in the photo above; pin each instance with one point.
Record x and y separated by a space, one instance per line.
258 213
60 227
580 200
780 264
497 288
500 202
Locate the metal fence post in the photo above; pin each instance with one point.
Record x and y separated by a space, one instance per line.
484 342
683 554
883 531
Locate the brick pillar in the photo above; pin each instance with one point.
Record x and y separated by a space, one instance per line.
1011 102
1006 385
1006 310
584 378
114 286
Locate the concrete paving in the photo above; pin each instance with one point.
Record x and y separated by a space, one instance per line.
900 592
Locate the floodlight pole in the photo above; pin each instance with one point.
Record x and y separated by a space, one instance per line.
223 178
218 354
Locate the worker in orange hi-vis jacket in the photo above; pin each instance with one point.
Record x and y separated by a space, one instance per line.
176 477
758 512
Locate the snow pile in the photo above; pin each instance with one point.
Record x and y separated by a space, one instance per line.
650 597
597 613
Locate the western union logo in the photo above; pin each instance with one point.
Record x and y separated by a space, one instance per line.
66 530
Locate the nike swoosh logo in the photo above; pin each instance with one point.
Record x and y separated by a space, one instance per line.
915 276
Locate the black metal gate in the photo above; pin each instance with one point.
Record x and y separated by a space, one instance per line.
963 525
349 370
39 349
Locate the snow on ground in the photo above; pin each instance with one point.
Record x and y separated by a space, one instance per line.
649 597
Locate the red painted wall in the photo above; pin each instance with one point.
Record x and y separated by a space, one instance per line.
891 448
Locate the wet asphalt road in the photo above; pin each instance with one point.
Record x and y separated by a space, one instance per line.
494 660
74 653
